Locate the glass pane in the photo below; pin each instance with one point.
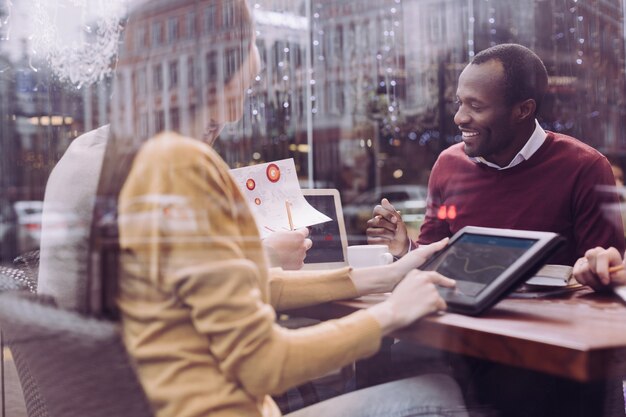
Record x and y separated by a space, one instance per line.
360 93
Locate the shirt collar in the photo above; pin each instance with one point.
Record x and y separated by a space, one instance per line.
532 145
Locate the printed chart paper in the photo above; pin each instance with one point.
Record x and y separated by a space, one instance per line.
268 188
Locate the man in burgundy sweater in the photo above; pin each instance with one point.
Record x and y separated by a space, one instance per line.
508 172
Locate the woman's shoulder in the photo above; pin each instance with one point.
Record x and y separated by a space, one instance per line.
182 162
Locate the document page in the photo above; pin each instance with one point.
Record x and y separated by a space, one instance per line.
275 198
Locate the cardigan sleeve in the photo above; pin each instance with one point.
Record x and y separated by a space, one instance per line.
293 289
226 306
204 250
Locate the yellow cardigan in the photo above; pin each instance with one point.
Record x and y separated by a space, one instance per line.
197 299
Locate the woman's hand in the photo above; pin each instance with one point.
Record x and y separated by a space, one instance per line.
377 279
415 297
593 268
287 249
417 257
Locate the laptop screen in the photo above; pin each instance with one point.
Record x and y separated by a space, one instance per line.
329 238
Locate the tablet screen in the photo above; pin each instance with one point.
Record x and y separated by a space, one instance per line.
475 260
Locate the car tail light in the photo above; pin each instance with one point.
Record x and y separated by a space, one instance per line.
32 226
447 212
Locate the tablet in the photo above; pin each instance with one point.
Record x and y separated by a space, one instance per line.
488 264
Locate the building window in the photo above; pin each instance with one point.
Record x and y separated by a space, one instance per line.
435 28
232 63
211 66
157 34
143 125
262 51
141 85
157 77
191 72
192 110
141 38
159 121
209 18
172 29
174 119
228 14
338 42
173 74
277 54
191 25
341 99
296 53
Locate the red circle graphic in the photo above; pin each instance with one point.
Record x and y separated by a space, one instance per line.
250 184
257 201
273 172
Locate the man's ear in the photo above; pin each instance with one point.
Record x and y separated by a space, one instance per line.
525 110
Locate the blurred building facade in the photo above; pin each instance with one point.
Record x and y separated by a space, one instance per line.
363 89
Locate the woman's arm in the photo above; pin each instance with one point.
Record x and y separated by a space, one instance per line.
203 249
295 289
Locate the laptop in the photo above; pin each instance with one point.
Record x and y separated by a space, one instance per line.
330 241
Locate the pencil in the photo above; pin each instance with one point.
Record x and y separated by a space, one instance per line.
616 268
288 207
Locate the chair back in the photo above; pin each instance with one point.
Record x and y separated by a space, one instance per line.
78 364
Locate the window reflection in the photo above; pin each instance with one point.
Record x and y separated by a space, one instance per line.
366 87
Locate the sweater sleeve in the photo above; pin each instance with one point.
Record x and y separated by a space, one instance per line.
202 247
226 306
595 223
293 289
434 229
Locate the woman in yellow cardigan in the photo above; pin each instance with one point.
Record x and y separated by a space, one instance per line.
188 278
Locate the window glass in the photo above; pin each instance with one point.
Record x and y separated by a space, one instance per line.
360 93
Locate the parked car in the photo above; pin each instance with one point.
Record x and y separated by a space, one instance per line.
8 232
409 200
20 228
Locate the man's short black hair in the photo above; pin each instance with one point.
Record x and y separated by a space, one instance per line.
525 75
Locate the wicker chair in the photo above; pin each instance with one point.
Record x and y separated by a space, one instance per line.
78 366
16 279
12 279
28 263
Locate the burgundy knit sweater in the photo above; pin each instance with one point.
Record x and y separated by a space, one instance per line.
555 190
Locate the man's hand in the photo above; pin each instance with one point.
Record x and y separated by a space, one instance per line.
593 268
288 249
387 228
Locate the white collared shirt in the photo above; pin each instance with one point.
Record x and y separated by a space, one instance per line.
532 145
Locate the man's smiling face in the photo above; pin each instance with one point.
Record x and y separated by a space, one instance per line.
484 117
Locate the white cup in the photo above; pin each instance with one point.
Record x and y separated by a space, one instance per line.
360 256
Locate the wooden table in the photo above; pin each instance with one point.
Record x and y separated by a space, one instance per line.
579 336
